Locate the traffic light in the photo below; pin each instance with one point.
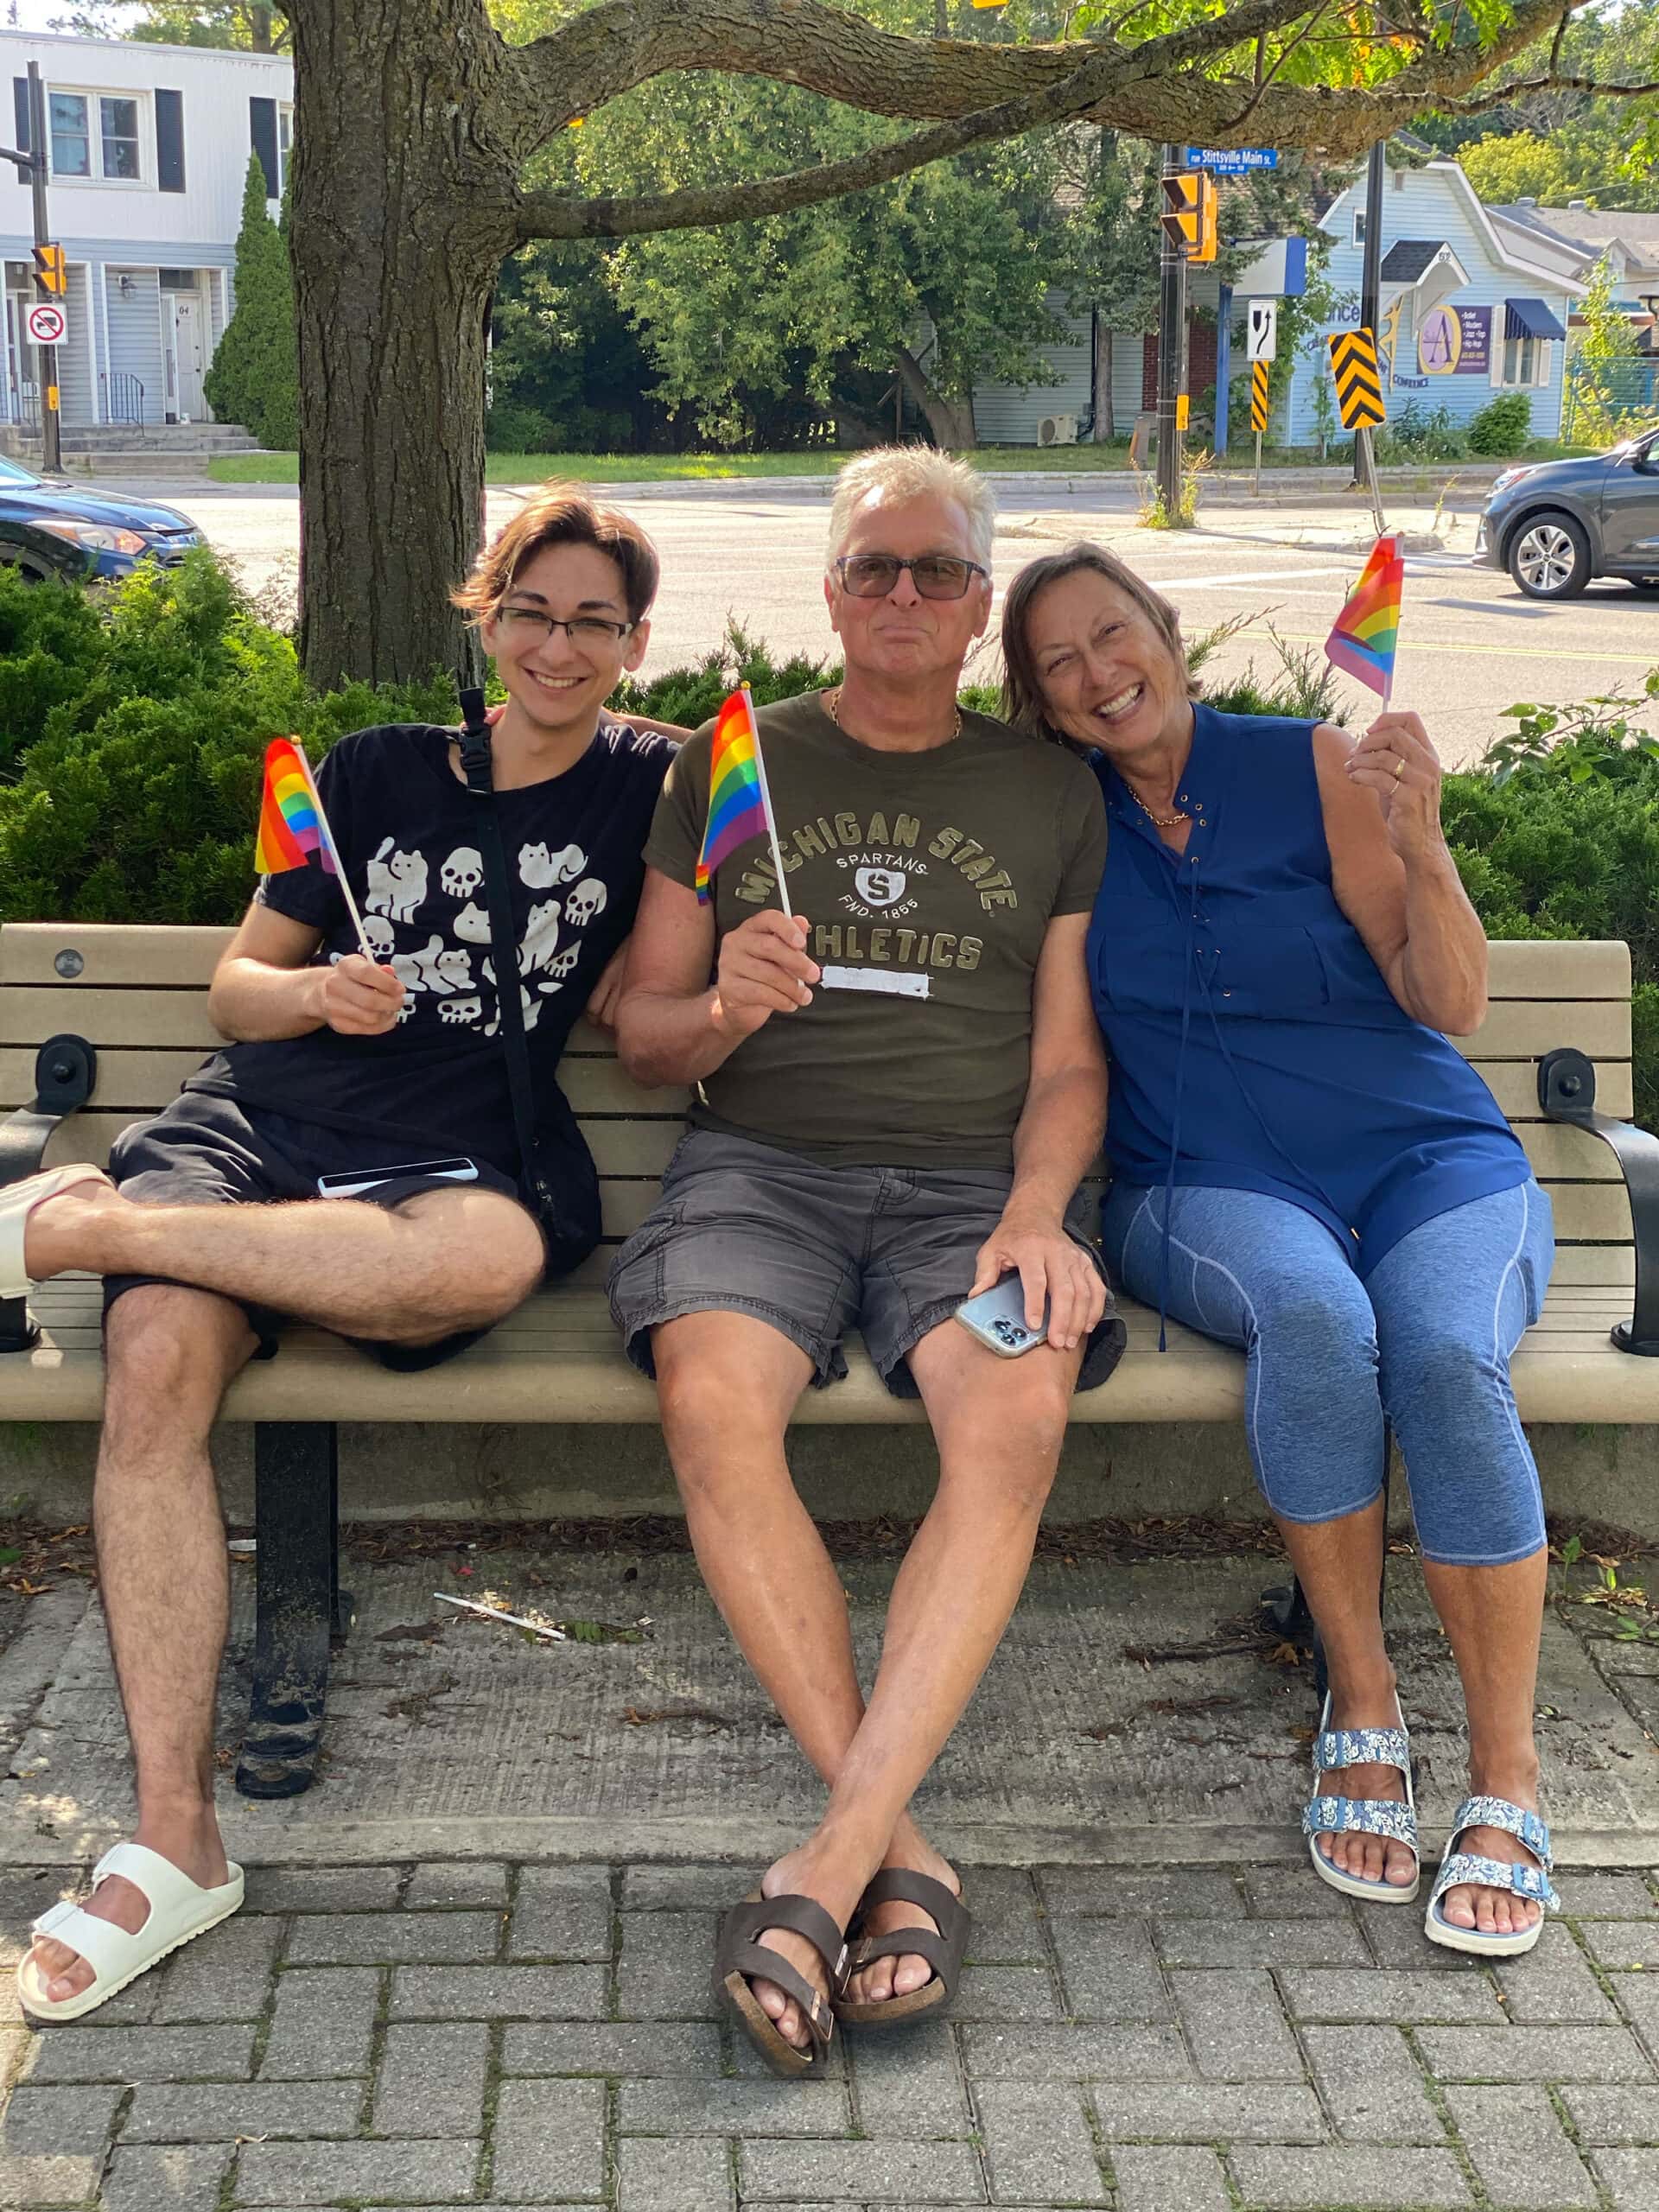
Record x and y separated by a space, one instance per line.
50 271
1189 214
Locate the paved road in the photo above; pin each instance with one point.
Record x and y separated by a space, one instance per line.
1471 644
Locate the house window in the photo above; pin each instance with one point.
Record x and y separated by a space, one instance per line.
1359 226
71 143
119 134
1526 363
95 136
284 146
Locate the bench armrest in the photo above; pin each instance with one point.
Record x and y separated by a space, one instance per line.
1566 1091
66 1070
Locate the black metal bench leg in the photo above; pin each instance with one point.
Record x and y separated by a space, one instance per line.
296 1557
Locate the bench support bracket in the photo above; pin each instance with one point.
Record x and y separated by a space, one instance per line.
1566 1091
66 1070
300 1604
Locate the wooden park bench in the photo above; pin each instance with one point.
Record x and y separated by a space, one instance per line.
100 1024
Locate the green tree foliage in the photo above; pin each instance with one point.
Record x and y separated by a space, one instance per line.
256 26
254 376
1509 166
1604 345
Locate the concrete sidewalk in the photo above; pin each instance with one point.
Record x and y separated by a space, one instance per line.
474 1965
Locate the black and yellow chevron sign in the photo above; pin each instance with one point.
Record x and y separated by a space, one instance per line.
1359 384
1259 395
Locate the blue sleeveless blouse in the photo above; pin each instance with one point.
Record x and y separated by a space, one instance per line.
1254 1042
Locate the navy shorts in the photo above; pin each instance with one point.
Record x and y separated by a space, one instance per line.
746 1228
205 1150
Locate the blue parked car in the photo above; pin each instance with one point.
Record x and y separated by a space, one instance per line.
53 529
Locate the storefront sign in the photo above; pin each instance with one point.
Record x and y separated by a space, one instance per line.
1455 341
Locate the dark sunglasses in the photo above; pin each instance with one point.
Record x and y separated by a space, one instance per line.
936 576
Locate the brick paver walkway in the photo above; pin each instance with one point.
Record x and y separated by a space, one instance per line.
1196 2040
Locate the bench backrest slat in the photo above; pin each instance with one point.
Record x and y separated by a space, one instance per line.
140 996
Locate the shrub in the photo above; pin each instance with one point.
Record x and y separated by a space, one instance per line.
1504 428
1417 433
254 376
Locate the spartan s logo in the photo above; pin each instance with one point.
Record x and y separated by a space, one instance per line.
881 887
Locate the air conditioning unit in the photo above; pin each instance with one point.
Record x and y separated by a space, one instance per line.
1057 431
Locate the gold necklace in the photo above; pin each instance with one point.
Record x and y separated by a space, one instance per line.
1163 821
832 708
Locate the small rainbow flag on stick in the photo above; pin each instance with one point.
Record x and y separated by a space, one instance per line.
739 805
292 824
1367 631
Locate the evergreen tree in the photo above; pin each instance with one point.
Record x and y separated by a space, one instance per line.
254 379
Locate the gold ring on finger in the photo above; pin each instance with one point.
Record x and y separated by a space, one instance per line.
1399 770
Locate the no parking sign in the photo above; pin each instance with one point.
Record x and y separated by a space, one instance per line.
48 323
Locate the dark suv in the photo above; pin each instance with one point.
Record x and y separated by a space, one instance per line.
1554 525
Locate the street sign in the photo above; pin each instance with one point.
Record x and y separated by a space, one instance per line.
51 271
1234 161
1261 330
1258 397
1359 385
1183 410
48 323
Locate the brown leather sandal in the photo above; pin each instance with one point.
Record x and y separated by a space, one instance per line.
740 1956
942 1951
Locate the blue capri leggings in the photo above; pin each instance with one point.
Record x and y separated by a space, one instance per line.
1425 1338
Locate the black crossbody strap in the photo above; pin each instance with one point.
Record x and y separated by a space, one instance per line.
476 766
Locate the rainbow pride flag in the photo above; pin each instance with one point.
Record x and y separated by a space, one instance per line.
1367 631
739 807
292 824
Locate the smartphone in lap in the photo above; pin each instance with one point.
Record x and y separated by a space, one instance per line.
997 1317
356 1181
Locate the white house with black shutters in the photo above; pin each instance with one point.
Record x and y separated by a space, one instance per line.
148 160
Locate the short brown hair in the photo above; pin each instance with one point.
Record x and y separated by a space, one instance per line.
561 514
1022 690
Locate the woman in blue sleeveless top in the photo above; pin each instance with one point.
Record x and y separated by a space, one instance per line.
1305 1167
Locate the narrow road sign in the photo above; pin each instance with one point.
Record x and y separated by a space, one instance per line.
1258 395
1359 387
48 324
1235 160
1261 331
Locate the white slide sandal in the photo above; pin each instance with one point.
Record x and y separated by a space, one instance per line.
179 1910
17 1202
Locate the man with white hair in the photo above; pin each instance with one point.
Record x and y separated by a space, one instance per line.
898 1088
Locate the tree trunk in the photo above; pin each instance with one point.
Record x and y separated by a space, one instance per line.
1105 417
950 422
401 216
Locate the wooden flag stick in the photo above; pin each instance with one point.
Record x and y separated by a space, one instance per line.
765 801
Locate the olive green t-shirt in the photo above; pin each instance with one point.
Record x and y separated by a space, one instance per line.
928 881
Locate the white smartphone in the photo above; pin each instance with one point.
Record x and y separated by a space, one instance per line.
354 1183
997 1317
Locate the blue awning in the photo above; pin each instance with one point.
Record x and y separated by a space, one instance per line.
1529 319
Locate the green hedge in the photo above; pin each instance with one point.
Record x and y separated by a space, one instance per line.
133 723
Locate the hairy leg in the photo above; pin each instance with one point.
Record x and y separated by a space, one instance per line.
164 1579
726 1384
443 1260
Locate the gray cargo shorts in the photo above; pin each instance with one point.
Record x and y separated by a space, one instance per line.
748 1228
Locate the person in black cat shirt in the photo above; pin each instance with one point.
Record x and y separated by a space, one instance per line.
342 1066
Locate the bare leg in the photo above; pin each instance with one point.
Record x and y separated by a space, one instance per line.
1339 1566
164 1579
443 1261
999 1425
1493 1616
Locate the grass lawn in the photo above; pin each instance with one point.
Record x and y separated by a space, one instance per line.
692 468
819 461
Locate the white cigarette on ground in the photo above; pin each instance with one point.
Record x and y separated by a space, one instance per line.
495 1613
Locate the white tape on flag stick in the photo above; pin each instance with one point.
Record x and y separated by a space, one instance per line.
339 864
766 801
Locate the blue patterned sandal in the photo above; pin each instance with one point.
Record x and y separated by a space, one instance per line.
1460 1867
1334 1749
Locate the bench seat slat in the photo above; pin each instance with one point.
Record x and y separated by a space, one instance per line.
547 1366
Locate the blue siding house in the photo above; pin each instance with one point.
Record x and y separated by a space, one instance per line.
1468 310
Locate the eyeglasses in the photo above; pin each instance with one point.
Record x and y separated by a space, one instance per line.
936 576
586 630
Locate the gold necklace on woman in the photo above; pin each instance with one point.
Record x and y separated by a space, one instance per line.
832 708
1162 821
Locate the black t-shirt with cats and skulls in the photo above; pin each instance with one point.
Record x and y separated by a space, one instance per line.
404 828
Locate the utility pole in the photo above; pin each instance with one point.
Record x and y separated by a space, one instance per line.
1370 310
1172 357
32 164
